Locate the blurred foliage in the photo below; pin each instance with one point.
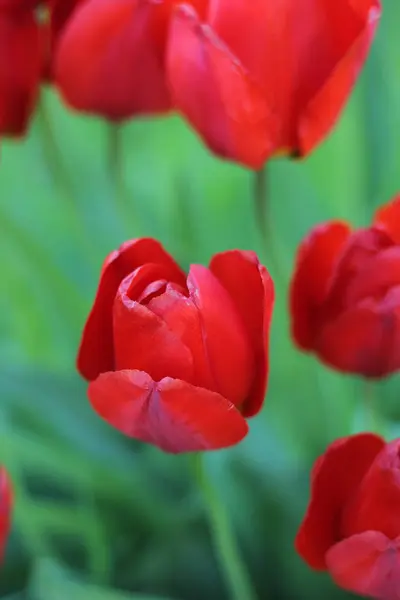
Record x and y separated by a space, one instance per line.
97 513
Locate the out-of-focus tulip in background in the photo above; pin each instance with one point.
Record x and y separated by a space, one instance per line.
102 517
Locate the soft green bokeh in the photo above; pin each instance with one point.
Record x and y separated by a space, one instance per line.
95 512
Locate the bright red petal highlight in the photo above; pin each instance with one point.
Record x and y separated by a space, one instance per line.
172 414
387 218
6 501
336 476
314 270
227 343
109 61
215 93
252 291
21 56
96 352
144 342
367 564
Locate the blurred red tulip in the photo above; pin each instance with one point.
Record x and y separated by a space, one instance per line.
259 78
178 361
21 56
26 46
345 295
5 510
352 524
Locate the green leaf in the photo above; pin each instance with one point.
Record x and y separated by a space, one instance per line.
51 582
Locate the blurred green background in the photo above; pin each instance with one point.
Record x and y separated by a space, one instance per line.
102 517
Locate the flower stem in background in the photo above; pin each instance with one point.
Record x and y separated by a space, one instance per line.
262 211
62 181
372 422
232 566
116 167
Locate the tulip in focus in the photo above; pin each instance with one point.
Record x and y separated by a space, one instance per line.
345 295
254 78
173 360
352 524
5 510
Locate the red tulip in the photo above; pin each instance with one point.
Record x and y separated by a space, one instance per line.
345 295
352 524
177 361
260 77
26 48
21 54
5 509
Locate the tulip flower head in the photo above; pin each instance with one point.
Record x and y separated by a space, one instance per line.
253 78
352 524
27 41
345 295
173 360
5 510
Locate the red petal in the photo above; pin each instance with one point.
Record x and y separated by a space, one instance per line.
314 269
379 273
387 218
336 475
304 95
227 343
5 509
108 59
364 339
143 341
367 564
96 352
60 12
350 28
183 319
20 70
214 92
375 504
252 291
172 414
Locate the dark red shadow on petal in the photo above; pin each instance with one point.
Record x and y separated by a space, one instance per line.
314 270
96 352
367 564
172 414
335 477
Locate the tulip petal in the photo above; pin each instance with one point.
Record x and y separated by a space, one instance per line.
215 93
314 269
227 343
367 564
96 352
336 475
108 60
387 218
375 504
353 38
5 510
20 70
252 291
361 340
142 340
172 414
379 273
182 318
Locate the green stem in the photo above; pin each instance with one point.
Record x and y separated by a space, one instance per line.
234 570
262 215
371 415
116 166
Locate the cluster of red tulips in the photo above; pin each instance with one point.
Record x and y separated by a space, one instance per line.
180 360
